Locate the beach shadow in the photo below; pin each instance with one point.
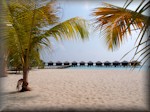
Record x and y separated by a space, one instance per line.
13 92
14 73
9 93
16 96
22 98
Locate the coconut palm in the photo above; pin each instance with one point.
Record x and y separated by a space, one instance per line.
33 23
117 23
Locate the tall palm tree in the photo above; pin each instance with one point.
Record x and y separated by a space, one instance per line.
117 23
30 31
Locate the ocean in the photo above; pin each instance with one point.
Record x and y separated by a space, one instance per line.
108 68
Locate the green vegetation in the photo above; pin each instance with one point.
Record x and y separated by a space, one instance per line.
29 24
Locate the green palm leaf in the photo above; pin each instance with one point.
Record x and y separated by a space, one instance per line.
72 28
29 21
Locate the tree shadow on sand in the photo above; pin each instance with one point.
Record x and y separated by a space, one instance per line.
13 92
14 96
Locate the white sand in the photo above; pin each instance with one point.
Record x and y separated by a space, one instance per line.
62 88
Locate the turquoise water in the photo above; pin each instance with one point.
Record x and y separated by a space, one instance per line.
107 68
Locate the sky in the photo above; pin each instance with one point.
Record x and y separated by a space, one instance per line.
95 48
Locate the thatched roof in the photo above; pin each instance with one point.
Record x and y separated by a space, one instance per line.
74 62
125 62
82 62
135 62
90 62
59 62
107 62
99 62
50 62
66 62
116 62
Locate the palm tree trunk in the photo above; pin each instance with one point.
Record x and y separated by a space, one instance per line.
3 35
25 75
25 83
26 61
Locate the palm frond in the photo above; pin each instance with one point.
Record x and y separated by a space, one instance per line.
49 13
46 14
28 23
72 28
117 22
127 3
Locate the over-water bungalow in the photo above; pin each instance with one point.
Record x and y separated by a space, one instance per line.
90 63
82 63
107 63
50 63
116 63
58 63
99 63
125 63
135 63
74 63
66 63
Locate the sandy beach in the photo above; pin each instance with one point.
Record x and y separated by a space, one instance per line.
77 89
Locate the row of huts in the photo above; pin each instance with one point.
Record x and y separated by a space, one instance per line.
98 63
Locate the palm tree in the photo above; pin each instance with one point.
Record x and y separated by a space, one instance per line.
31 21
116 23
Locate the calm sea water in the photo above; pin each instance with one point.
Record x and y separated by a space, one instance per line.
108 68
